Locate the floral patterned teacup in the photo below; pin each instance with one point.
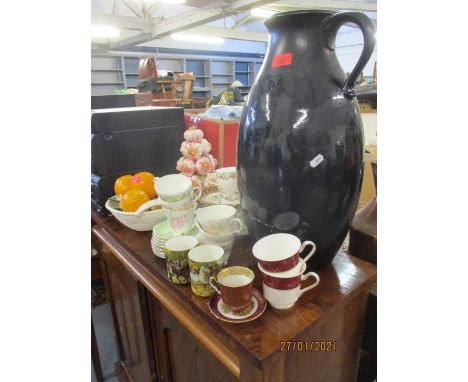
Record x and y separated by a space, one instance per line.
226 178
205 261
219 220
182 205
180 221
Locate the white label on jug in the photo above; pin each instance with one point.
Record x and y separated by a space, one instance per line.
316 161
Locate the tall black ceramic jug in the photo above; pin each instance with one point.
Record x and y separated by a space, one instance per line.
300 143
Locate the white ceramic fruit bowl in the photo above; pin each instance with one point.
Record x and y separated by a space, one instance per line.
141 221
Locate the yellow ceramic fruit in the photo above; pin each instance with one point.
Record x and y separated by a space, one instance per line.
122 185
132 200
144 181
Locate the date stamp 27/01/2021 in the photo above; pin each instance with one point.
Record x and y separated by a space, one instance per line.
323 346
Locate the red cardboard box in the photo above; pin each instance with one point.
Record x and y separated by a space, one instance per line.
221 134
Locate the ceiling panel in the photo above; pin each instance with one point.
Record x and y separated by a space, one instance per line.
162 11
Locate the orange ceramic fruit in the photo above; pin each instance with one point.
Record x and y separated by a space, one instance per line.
132 200
144 181
122 185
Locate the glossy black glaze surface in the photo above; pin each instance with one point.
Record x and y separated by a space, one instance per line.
293 114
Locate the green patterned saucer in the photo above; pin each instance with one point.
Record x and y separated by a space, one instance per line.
163 231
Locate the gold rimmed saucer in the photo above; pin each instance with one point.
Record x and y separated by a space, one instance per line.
220 311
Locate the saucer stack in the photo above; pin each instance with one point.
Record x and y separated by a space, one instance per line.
161 233
158 248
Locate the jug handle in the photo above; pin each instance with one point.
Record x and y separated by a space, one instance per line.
330 27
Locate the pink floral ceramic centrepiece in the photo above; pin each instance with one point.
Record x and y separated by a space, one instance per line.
206 146
204 166
186 166
191 150
193 135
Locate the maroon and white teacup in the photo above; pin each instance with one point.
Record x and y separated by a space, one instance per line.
283 289
280 252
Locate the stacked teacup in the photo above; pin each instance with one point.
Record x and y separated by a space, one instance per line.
283 269
178 201
218 225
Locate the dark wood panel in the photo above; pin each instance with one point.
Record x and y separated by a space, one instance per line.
95 355
131 322
95 260
363 233
346 328
363 244
180 356
123 375
95 269
109 297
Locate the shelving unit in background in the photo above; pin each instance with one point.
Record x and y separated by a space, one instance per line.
244 72
131 71
222 75
201 70
213 74
107 74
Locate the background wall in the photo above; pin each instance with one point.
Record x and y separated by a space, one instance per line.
238 46
369 124
349 43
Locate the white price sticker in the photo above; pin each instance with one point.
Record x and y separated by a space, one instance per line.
316 161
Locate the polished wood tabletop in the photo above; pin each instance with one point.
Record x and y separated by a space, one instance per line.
339 282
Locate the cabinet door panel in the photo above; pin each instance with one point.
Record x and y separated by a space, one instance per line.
131 317
181 358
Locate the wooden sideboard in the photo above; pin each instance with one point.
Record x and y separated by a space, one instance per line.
166 333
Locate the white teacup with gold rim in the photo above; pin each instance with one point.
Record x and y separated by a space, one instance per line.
219 220
175 187
226 178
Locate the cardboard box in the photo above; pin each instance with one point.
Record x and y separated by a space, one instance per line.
222 134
